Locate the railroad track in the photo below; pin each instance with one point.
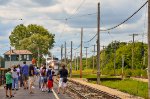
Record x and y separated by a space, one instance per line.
87 92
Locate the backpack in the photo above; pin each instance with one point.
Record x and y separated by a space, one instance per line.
51 77
43 73
65 79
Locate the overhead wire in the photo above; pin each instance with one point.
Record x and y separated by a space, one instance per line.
75 11
77 47
125 19
91 39
88 14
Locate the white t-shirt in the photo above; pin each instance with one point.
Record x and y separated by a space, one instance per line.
14 74
18 71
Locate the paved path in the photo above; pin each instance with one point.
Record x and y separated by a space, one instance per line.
140 79
24 94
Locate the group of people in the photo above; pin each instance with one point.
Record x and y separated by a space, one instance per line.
25 76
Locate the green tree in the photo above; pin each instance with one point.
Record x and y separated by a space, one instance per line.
140 50
32 37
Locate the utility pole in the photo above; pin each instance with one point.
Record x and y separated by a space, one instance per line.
61 52
133 35
38 57
98 45
115 59
122 65
71 62
75 62
93 58
103 63
0 62
148 49
65 53
86 57
10 57
81 53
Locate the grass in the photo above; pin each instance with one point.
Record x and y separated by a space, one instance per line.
85 74
130 86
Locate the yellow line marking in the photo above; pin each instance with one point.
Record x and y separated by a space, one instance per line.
56 96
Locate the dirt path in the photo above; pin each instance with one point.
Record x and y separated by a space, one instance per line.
140 79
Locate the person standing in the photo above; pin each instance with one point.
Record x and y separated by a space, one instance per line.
40 77
31 78
25 74
50 76
15 79
20 82
8 77
44 79
63 79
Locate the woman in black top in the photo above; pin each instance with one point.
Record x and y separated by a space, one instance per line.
31 78
63 79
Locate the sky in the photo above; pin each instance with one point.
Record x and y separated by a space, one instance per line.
65 18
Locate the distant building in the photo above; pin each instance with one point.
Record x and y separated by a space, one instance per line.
17 57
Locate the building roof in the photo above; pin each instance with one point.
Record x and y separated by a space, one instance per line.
17 52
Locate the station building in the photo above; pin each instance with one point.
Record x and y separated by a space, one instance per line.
15 57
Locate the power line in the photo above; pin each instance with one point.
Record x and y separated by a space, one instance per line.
125 19
63 29
90 39
75 12
77 47
73 17
81 15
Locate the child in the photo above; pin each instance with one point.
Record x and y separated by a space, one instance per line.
50 81
8 77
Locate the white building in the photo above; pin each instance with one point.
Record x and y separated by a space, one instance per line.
15 57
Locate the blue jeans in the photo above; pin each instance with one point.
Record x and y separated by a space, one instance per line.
40 81
15 83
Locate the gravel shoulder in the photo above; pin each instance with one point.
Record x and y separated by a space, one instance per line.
106 89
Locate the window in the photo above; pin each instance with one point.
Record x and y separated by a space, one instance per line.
20 57
27 57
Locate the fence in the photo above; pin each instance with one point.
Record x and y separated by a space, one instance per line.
2 76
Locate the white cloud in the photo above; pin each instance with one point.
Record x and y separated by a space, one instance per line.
40 12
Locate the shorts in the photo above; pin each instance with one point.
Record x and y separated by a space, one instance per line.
31 80
25 77
9 86
44 79
50 84
61 83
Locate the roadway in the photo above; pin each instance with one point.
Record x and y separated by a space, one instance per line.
38 94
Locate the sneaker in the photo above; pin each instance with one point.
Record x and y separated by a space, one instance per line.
11 96
31 92
42 90
7 96
45 89
33 87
